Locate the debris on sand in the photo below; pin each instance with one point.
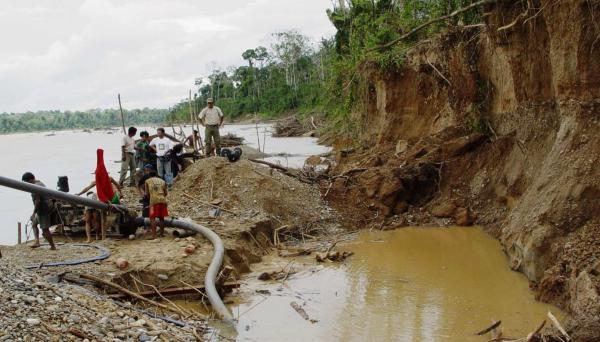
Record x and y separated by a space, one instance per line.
34 309
293 127
332 256
231 140
302 312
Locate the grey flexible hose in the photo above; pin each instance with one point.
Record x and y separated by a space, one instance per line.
219 249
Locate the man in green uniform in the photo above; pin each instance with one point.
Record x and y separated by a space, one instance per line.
211 118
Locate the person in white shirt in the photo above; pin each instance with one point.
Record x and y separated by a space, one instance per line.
127 157
211 118
162 145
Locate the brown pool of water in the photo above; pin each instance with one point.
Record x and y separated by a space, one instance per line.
411 284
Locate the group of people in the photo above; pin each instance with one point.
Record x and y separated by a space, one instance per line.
158 157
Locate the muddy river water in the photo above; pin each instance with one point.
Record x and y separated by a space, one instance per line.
411 284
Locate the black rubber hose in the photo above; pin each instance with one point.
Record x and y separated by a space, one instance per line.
105 253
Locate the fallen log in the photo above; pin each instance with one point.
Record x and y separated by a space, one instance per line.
283 170
175 291
124 290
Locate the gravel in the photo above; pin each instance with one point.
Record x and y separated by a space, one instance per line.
33 309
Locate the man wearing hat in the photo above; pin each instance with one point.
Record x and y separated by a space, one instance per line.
211 118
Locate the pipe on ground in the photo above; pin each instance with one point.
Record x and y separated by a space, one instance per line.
219 249
182 233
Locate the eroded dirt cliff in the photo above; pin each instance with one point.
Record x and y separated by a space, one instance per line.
494 124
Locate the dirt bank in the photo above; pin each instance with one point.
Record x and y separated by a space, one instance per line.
498 127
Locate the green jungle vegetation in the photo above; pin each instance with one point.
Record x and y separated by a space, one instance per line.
95 118
294 75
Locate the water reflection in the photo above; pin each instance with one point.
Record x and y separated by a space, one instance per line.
413 284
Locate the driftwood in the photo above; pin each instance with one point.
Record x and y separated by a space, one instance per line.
302 312
490 328
283 170
429 22
175 291
556 324
124 290
231 140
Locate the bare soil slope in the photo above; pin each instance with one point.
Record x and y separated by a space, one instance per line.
507 138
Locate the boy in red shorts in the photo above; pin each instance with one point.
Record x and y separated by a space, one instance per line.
157 189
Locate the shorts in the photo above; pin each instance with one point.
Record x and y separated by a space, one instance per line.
158 210
44 220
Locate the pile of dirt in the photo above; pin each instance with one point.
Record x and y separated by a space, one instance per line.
507 139
246 190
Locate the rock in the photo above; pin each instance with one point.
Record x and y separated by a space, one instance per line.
445 209
33 321
463 217
132 237
401 146
57 299
144 338
163 277
122 263
139 323
190 249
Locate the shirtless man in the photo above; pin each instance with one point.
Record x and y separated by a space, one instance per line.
193 139
42 210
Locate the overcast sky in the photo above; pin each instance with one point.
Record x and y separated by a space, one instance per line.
78 54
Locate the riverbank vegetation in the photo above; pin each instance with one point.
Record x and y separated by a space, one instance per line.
94 118
295 75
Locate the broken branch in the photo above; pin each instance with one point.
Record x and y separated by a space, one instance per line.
427 23
558 326
124 290
207 203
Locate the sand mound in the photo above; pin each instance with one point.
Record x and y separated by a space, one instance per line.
247 191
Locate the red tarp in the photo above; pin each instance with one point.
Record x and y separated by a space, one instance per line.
103 186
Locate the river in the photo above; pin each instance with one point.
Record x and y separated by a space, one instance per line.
49 155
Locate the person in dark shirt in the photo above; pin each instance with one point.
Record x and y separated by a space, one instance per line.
42 213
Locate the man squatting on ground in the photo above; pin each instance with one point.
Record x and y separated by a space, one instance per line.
128 156
211 118
42 213
161 145
193 140
156 188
